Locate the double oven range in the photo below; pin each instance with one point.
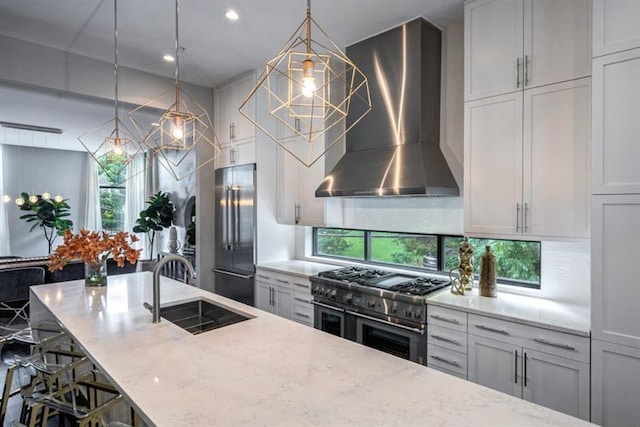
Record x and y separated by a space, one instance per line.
376 308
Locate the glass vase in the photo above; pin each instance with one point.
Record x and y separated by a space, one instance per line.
95 274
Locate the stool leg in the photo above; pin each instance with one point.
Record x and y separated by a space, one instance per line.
6 392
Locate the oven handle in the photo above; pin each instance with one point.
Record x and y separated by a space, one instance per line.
330 307
407 328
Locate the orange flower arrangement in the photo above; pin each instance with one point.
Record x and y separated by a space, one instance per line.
94 248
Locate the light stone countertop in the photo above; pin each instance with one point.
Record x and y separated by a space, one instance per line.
297 267
264 371
539 312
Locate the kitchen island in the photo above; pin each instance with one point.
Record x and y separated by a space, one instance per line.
263 371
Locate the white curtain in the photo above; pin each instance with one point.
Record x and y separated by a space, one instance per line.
5 242
136 195
92 214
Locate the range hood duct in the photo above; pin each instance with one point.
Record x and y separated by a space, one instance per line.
395 149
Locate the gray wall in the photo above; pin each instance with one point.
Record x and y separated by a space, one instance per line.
36 170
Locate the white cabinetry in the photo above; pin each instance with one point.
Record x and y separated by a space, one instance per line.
615 26
235 132
511 45
545 367
447 340
616 122
615 384
527 162
285 295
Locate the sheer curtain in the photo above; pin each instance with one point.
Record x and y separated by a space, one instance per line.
136 193
5 243
92 214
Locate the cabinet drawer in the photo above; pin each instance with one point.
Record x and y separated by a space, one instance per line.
274 278
553 342
449 360
447 317
448 372
447 338
265 276
301 287
302 313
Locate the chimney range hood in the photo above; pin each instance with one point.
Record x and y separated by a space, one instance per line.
395 149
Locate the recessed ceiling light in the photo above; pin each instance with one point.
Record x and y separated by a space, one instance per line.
232 15
169 58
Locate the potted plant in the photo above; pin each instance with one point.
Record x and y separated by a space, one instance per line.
48 215
157 216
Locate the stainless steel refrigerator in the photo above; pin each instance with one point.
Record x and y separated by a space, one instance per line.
235 232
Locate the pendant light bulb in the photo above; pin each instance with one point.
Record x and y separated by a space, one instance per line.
177 132
19 201
46 196
6 198
33 199
58 199
308 79
117 149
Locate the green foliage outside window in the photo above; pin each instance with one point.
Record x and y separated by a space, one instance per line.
112 191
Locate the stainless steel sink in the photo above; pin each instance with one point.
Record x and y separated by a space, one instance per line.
200 316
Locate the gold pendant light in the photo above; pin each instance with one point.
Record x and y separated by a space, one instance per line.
186 124
310 87
119 147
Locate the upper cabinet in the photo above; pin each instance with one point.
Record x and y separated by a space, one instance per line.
615 26
235 132
512 45
527 162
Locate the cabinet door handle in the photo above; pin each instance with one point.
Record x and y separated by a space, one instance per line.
296 212
526 221
297 124
526 70
553 344
232 130
525 368
263 277
517 217
445 339
447 361
497 331
445 319
301 285
517 72
515 369
306 301
282 281
306 316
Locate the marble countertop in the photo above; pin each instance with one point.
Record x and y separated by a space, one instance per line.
297 267
263 371
554 315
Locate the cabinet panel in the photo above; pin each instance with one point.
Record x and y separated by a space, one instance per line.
616 128
493 164
263 296
615 26
242 127
557 41
447 338
283 302
224 114
556 157
449 360
556 383
615 374
446 317
493 46
495 364
615 313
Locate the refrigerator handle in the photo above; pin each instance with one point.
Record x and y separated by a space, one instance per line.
236 218
228 222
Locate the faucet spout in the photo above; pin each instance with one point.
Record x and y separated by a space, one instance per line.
155 308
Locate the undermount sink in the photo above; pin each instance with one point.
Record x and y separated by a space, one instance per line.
200 316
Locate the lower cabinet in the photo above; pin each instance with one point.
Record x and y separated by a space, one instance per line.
615 388
447 340
544 367
274 299
285 295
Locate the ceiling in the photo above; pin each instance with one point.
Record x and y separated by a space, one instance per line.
215 49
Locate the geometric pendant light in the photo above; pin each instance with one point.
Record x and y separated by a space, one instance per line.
310 87
115 151
180 129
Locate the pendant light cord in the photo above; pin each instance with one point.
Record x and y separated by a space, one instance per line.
177 57
115 61
308 29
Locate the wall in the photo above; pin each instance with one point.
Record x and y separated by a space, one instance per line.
36 170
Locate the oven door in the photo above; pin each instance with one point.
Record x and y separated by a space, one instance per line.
329 319
399 340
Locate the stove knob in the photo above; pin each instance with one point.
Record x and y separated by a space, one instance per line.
408 312
333 294
417 315
371 304
348 298
316 290
327 292
394 308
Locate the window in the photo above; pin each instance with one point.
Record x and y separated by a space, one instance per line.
517 262
112 193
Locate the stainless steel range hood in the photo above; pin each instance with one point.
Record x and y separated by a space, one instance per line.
395 149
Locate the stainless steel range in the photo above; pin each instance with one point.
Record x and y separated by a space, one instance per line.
379 309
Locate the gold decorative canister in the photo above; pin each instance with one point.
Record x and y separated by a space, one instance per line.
487 283
464 269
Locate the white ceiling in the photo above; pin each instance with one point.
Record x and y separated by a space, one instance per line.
215 49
